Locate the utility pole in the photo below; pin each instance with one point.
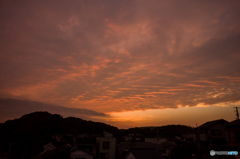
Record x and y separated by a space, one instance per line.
237 112
157 138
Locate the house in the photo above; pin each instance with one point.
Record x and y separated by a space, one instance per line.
48 147
163 145
155 140
88 144
77 153
144 150
122 149
189 137
52 151
144 145
232 130
233 133
99 147
166 148
144 154
212 132
106 146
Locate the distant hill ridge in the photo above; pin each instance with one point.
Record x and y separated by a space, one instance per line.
55 123
162 131
31 131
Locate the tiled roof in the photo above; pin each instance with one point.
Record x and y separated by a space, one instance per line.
167 144
233 123
75 148
57 150
144 145
211 123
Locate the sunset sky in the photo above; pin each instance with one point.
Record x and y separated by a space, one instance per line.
128 63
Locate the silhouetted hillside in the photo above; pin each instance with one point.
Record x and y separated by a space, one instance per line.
28 134
163 131
32 131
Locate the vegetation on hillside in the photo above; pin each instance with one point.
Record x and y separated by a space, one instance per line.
29 133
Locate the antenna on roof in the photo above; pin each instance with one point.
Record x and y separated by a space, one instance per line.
157 133
237 112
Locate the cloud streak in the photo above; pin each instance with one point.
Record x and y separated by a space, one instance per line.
120 56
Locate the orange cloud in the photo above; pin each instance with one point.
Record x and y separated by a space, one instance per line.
122 58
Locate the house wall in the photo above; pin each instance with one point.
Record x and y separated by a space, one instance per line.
80 154
189 137
212 133
219 126
204 137
233 135
112 146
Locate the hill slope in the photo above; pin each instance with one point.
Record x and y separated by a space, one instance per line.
33 130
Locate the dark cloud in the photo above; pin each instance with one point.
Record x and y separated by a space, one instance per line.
113 56
14 108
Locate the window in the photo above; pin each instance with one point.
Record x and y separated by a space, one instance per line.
216 132
105 144
232 134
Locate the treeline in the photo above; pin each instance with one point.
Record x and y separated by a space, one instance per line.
32 131
167 131
29 133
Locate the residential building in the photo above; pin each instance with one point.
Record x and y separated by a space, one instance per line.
144 154
233 133
48 147
232 130
122 149
52 151
166 148
144 150
106 146
88 144
212 132
189 137
155 140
